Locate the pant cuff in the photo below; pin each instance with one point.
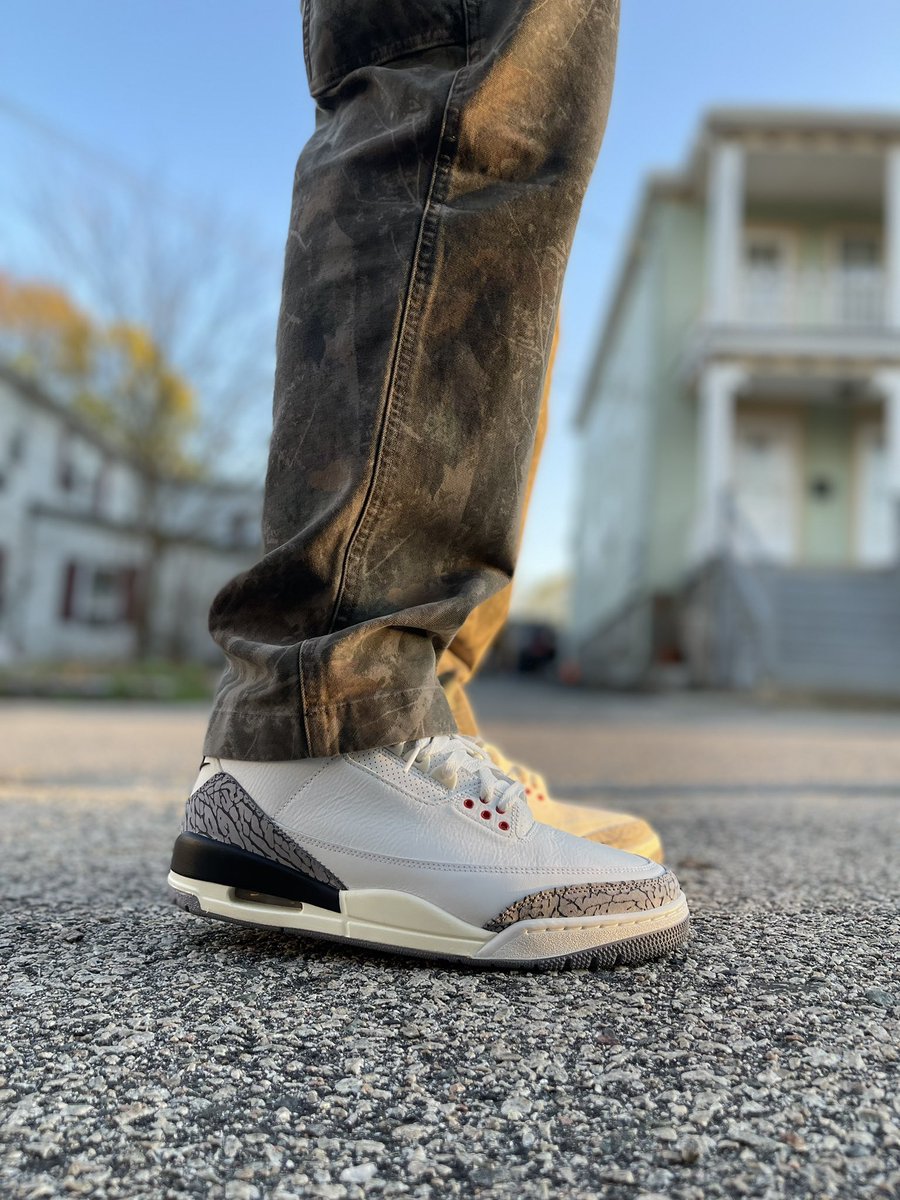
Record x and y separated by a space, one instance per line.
266 734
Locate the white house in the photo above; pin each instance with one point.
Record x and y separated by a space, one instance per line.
72 549
740 485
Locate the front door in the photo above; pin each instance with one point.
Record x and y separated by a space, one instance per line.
766 485
874 512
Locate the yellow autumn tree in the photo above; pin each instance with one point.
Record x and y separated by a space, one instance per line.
42 333
143 403
115 376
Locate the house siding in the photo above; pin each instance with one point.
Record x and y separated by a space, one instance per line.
680 227
70 507
611 526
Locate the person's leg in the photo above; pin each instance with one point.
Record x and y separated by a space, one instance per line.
433 213
465 654
436 207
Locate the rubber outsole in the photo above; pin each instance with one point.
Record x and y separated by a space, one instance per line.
629 951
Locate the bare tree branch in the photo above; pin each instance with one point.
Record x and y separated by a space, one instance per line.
195 280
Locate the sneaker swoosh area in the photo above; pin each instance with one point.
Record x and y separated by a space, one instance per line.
221 809
590 900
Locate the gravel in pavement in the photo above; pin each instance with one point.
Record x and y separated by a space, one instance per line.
151 1054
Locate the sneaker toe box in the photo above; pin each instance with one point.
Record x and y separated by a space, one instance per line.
632 834
593 899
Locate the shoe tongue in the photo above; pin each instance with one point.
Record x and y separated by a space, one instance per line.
465 761
401 748
437 746
468 765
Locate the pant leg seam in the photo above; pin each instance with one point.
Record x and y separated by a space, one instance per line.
307 54
301 696
422 259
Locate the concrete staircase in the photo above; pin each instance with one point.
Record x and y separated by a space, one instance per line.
834 630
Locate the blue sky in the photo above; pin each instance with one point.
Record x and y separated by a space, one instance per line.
210 97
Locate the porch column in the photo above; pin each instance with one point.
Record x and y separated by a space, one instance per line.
724 231
888 383
717 394
892 237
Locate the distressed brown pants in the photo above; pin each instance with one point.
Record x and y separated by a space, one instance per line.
433 213
467 651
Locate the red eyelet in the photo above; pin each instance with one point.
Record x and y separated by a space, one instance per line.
528 791
467 803
485 815
504 825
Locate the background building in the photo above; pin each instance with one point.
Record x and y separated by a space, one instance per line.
75 546
740 484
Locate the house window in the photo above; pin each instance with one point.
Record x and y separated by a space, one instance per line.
859 282
767 277
98 594
104 596
15 451
860 250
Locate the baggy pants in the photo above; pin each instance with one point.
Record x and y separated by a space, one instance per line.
433 213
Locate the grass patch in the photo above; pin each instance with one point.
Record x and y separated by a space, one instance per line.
151 680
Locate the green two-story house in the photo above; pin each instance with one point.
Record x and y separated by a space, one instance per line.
739 508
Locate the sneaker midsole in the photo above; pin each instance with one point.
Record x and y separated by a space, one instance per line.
405 921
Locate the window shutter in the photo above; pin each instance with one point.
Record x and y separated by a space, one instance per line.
67 605
130 580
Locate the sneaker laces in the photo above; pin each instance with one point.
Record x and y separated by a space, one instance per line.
448 757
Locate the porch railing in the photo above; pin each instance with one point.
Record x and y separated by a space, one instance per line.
813 297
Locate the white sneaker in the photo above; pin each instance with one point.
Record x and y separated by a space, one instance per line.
424 848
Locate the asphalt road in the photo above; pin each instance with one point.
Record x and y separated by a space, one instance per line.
149 1054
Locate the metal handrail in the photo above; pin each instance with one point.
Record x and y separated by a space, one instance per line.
746 582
